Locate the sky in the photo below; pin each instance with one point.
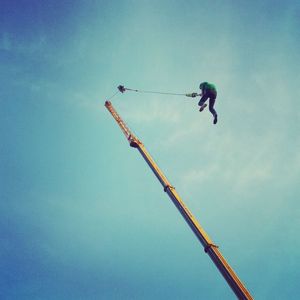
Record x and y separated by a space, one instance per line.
82 216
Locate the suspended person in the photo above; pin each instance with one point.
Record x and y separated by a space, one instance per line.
208 91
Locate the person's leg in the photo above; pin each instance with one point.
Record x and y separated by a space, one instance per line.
202 102
212 101
211 106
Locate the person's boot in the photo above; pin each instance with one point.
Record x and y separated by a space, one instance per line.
202 107
215 119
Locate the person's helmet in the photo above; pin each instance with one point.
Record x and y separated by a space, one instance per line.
202 85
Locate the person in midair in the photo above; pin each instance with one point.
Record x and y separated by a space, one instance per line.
208 91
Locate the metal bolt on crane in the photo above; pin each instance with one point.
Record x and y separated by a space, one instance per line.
209 247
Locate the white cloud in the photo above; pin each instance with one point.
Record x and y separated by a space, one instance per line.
152 111
183 134
193 176
240 163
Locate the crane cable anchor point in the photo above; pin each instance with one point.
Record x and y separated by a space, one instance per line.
121 88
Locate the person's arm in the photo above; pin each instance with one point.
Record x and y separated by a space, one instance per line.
203 91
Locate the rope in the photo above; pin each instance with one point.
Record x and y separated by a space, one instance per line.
112 96
155 92
122 89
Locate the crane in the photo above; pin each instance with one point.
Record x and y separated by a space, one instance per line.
209 247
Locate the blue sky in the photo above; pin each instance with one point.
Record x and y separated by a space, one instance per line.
81 214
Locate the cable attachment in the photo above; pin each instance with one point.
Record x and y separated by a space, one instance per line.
193 95
121 88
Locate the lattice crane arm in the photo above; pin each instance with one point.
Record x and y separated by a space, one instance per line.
209 247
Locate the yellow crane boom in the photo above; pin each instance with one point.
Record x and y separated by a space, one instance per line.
209 247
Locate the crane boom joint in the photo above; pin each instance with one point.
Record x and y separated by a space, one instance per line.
208 246
168 187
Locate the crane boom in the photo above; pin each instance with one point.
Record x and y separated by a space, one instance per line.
209 247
